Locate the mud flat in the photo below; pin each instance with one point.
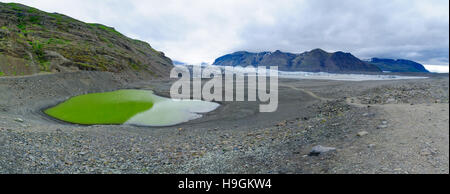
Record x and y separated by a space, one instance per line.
235 138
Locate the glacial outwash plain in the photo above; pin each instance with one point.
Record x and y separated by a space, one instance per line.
321 126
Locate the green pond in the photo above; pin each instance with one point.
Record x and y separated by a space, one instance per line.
134 107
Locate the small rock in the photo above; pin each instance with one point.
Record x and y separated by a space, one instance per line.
19 120
391 100
282 124
363 133
425 152
317 150
382 126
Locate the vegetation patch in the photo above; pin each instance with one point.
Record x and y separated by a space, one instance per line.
22 26
45 66
53 41
16 6
134 66
34 19
106 28
37 48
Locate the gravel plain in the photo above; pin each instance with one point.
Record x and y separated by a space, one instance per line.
375 127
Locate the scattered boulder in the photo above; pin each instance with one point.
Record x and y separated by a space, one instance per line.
281 124
368 114
382 126
317 150
19 120
391 101
425 152
362 133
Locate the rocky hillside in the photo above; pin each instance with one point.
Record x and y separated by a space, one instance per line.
33 41
399 65
313 61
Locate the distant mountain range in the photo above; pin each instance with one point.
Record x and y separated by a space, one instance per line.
175 62
399 65
317 60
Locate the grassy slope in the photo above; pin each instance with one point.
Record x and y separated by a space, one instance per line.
32 41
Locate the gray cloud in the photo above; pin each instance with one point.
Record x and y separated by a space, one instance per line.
202 30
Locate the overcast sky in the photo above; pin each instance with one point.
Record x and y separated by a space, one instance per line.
195 31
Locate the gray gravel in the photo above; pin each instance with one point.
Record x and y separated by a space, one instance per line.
234 139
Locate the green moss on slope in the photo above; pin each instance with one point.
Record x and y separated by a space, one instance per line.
53 41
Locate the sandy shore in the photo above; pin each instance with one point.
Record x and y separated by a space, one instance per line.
405 125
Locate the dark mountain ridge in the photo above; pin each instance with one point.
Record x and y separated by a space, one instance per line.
399 65
316 60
